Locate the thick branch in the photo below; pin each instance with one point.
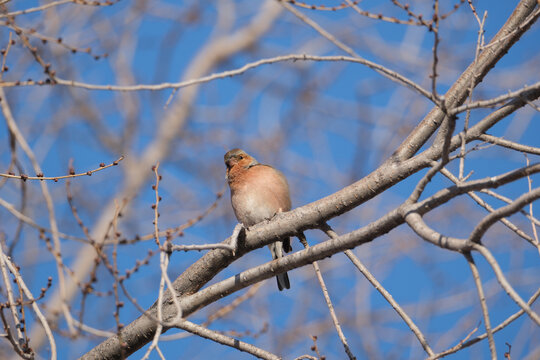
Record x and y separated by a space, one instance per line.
141 330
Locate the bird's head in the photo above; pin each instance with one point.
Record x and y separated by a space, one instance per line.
238 157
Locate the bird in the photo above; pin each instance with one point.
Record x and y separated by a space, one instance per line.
258 193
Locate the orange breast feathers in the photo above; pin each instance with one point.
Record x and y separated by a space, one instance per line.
258 192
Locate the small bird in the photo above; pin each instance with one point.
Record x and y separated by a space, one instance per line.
258 192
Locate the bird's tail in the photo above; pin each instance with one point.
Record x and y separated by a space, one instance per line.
283 281
277 252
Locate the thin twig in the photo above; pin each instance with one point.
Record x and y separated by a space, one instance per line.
483 304
178 230
35 9
421 185
535 234
218 313
464 343
496 100
525 24
509 144
382 17
322 7
118 303
225 340
34 305
378 286
163 264
505 284
56 178
12 305
479 44
57 253
14 343
435 62
486 206
489 220
379 68
333 315
9 207
390 74
509 201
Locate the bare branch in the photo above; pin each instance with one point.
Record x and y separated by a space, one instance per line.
12 125
482 297
333 315
505 211
34 305
498 100
505 284
509 144
509 33
388 297
41 177
502 325
11 301
392 75
486 206
225 340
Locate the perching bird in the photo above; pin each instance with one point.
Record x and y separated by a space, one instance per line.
258 192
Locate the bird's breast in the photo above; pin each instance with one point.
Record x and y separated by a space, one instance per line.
258 194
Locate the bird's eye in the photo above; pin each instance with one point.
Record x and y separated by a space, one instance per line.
240 157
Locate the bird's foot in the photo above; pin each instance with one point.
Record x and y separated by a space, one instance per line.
234 237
